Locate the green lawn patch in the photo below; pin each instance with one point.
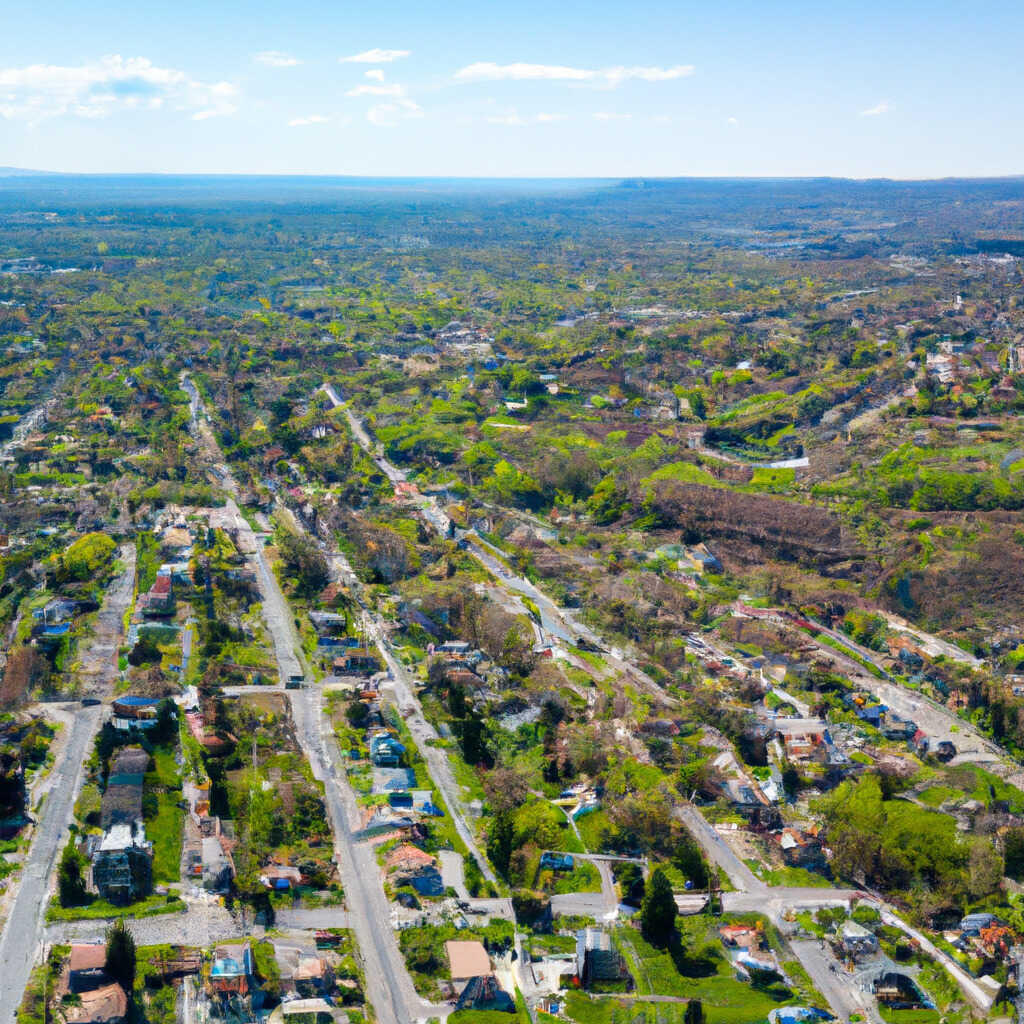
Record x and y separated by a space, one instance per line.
151 906
165 832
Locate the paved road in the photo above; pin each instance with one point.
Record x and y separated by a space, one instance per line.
19 944
719 851
839 989
20 939
388 985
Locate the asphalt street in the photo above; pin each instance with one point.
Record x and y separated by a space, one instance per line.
20 940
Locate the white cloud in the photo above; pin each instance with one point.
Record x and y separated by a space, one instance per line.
608 115
376 56
387 115
516 120
876 110
732 120
276 59
374 74
486 71
107 86
392 89
301 122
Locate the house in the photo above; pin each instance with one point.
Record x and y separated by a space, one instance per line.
280 877
209 863
467 960
972 924
801 849
86 968
359 661
132 712
122 865
232 969
303 972
597 959
701 560
454 648
385 750
740 936
556 862
856 940
106 1005
328 623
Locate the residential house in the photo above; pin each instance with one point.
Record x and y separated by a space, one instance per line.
134 712
385 750
556 862
208 862
280 877
801 849
467 960
86 967
106 1005
855 940
122 865
303 973
232 970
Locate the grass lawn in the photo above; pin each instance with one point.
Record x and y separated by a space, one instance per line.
725 1000
585 1010
166 767
165 832
151 906
583 878
935 796
910 1016
591 827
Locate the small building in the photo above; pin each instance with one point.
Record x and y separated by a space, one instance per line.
232 969
385 750
208 862
105 1005
972 924
122 865
556 861
280 877
467 960
86 968
133 712
801 849
856 940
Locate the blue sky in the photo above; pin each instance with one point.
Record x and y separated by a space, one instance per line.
891 88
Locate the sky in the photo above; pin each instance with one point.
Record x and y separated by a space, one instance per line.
877 88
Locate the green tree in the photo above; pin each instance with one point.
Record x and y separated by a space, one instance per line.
658 910
120 963
694 1012
70 881
500 842
1013 852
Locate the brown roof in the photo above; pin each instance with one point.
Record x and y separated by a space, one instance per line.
107 1005
90 956
407 855
467 959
